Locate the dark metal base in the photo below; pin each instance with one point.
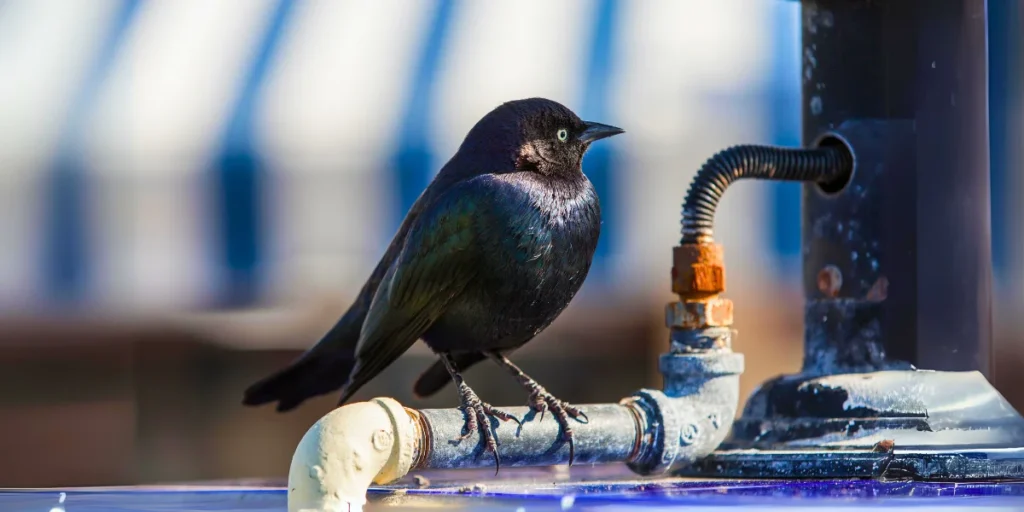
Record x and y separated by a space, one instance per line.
892 424
910 464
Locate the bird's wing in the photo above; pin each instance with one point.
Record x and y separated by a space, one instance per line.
439 258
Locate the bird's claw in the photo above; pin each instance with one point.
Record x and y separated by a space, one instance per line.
477 420
542 401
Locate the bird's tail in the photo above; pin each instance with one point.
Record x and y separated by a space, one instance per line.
436 377
306 378
321 370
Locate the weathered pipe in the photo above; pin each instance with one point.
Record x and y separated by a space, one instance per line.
609 435
653 432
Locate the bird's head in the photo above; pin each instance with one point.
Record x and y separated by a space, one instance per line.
536 135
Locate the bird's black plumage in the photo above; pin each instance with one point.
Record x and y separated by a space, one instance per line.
487 257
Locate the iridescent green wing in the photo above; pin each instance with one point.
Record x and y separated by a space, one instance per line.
439 258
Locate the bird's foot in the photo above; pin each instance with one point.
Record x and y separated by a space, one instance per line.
541 401
478 415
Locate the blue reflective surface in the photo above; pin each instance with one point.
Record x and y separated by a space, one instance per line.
542 490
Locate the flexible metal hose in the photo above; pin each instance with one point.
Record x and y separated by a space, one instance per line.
826 165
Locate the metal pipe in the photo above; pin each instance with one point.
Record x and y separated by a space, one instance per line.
827 166
611 434
652 431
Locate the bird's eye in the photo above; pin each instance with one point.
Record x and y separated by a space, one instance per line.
563 135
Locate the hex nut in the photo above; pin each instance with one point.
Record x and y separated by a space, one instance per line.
717 312
698 271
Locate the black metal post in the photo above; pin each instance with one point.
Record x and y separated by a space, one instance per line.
921 244
897 264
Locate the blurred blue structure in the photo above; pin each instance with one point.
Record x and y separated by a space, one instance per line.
240 256
414 163
1006 100
239 179
66 273
600 160
783 126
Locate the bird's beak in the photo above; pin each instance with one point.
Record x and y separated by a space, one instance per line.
598 131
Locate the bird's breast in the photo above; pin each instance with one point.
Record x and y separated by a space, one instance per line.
550 235
535 258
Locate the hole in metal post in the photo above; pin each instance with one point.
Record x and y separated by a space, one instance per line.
836 185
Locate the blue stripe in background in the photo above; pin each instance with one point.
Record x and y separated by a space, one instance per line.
599 162
784 125
1005 99
65 252
239 179
413 162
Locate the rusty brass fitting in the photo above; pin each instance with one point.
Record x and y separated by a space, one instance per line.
698 277
698 271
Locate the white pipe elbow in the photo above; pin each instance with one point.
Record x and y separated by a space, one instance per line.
347 450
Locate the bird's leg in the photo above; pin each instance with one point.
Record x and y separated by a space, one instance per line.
477 412
541 400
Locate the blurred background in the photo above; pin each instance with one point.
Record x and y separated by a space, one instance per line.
191 193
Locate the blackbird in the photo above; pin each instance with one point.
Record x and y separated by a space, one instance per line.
487 257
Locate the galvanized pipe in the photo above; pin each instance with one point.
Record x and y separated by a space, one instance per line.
611 434
651 431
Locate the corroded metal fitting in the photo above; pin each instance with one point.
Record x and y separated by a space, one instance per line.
715 312
698 271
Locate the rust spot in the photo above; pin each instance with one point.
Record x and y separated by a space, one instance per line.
716 312
884 446
698 271
830 281
879 291
720 312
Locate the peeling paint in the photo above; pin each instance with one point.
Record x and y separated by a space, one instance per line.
816 106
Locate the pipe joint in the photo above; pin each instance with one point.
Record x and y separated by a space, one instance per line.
692 416
662 419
